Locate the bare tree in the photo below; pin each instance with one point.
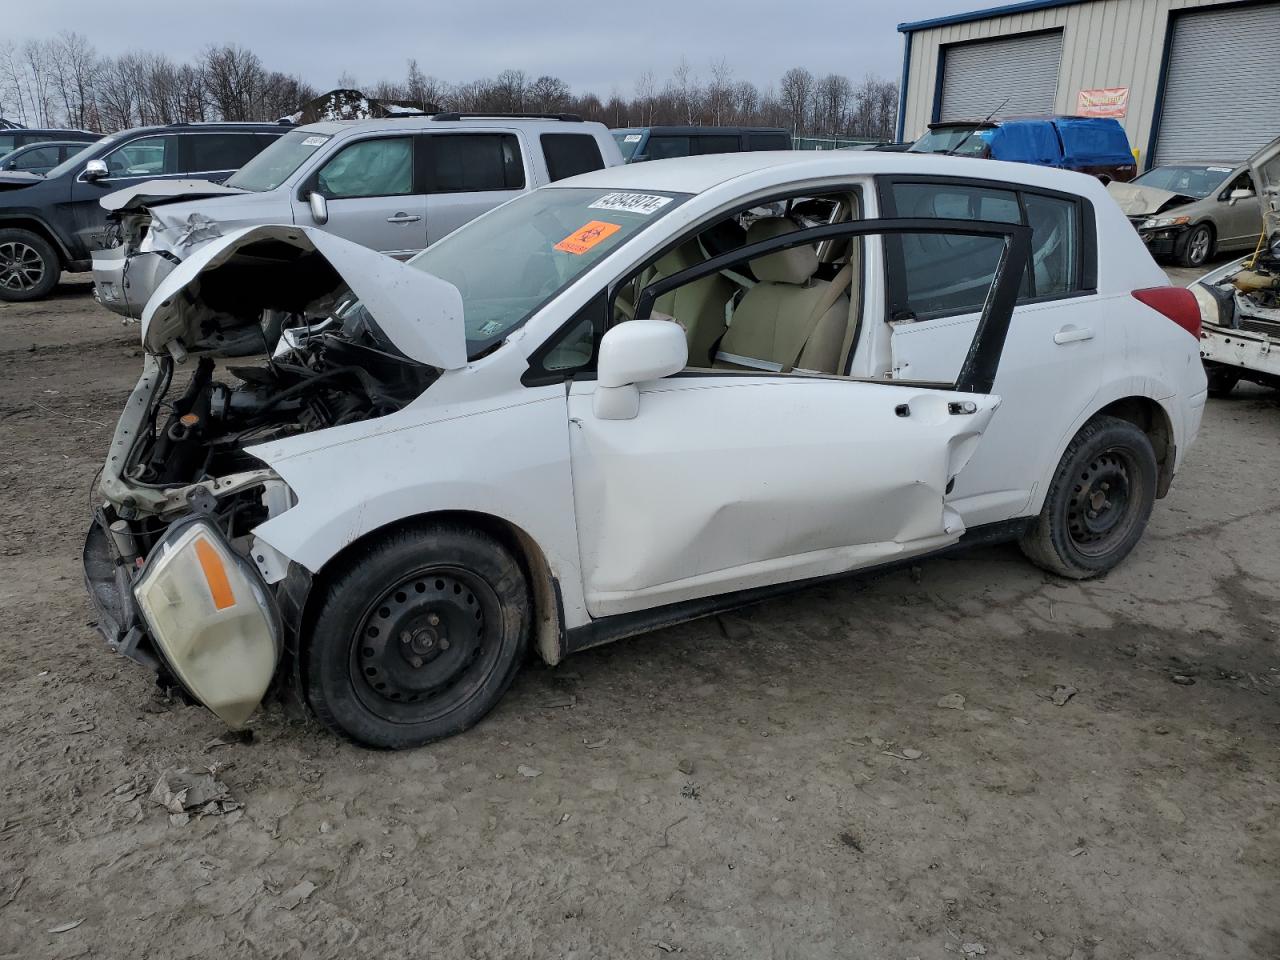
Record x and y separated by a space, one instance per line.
509 91
75 70
719 94
644 100
684 88
797 94
548 94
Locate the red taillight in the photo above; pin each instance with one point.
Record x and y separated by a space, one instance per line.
1176 303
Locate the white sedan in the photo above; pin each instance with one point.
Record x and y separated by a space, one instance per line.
625 400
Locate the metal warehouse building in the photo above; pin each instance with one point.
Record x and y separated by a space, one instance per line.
1188 79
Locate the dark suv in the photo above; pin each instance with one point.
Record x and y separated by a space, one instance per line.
662 143
52 224
11 138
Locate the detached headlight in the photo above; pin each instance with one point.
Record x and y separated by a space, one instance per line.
1210 312
212 618
1156 223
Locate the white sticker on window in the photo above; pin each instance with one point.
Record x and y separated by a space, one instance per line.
631 138
314 141
643 203
1220 169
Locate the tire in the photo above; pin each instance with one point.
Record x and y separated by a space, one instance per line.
29 266
1222 380
1196 246
418 636
1098 503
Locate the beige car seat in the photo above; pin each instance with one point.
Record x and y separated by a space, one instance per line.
788 320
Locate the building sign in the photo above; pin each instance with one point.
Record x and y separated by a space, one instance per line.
1103 102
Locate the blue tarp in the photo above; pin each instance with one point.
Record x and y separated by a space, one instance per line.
1077 142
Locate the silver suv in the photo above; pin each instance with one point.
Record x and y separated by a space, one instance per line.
395 185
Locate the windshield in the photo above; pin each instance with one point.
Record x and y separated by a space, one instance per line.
274 165
628 142
74 161
970 141
512 261
1192 180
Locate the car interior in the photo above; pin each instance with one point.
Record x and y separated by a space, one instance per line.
796 309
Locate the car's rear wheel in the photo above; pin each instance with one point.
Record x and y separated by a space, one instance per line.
1222 380
1098 503
418 636
1197 246
29 266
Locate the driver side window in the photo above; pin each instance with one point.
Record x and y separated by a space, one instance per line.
369 168
144 157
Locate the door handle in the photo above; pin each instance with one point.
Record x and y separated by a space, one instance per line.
402 218
1072 335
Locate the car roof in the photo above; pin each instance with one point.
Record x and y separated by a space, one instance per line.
677 129
700 174
1200 163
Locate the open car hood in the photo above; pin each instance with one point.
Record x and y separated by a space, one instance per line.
1264 167
213 302
163 191
1136 200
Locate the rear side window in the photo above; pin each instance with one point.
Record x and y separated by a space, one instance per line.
39 158
940 275
369 168
144 157
768 141
716 143
220 151
664 148
474 162
569 154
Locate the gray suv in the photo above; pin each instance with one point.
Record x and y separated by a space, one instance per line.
395 185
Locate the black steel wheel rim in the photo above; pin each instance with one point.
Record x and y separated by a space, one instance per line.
426 645
21 266
1104 502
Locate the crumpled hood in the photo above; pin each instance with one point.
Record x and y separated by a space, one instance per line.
152 192
1136 200
213 301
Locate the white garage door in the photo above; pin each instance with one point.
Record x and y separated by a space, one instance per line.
1220 96
977 77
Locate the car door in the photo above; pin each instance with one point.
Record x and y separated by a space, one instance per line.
1238 221
153 157
1058 340
373 196
468 174
725 481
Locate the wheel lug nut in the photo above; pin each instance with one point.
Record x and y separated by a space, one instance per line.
434 619
444 644
415 661
406 637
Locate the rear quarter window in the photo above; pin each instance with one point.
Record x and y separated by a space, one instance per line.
474 163
569 154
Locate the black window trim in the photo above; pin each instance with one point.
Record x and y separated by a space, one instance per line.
1087 267
982 361
596 310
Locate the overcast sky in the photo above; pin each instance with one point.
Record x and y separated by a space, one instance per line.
591 46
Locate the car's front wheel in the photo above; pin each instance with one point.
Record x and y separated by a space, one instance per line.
418 636
29 266
1197 246
1098 503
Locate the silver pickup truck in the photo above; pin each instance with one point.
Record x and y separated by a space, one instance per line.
395 185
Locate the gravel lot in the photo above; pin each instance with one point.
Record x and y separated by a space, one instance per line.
782 782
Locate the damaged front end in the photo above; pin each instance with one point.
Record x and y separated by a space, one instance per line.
1240 303
181 580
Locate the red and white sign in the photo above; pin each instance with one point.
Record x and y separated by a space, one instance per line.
1103 102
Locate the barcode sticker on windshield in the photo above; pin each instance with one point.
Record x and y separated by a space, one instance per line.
1220 169
643 203
631 138
314 141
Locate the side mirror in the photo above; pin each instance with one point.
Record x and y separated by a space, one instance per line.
631 353
319 207
95 170
1241 194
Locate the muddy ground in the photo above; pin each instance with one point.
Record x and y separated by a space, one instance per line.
732 788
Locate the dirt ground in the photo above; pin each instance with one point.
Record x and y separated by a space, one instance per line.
779 783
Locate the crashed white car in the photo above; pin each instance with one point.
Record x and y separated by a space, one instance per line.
1240 303
625 400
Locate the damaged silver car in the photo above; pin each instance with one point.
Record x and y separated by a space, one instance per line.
1240 302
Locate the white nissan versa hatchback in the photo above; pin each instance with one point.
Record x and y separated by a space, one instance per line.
624 400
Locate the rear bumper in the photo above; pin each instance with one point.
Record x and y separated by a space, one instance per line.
124 283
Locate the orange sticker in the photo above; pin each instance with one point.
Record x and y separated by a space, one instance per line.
587 236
